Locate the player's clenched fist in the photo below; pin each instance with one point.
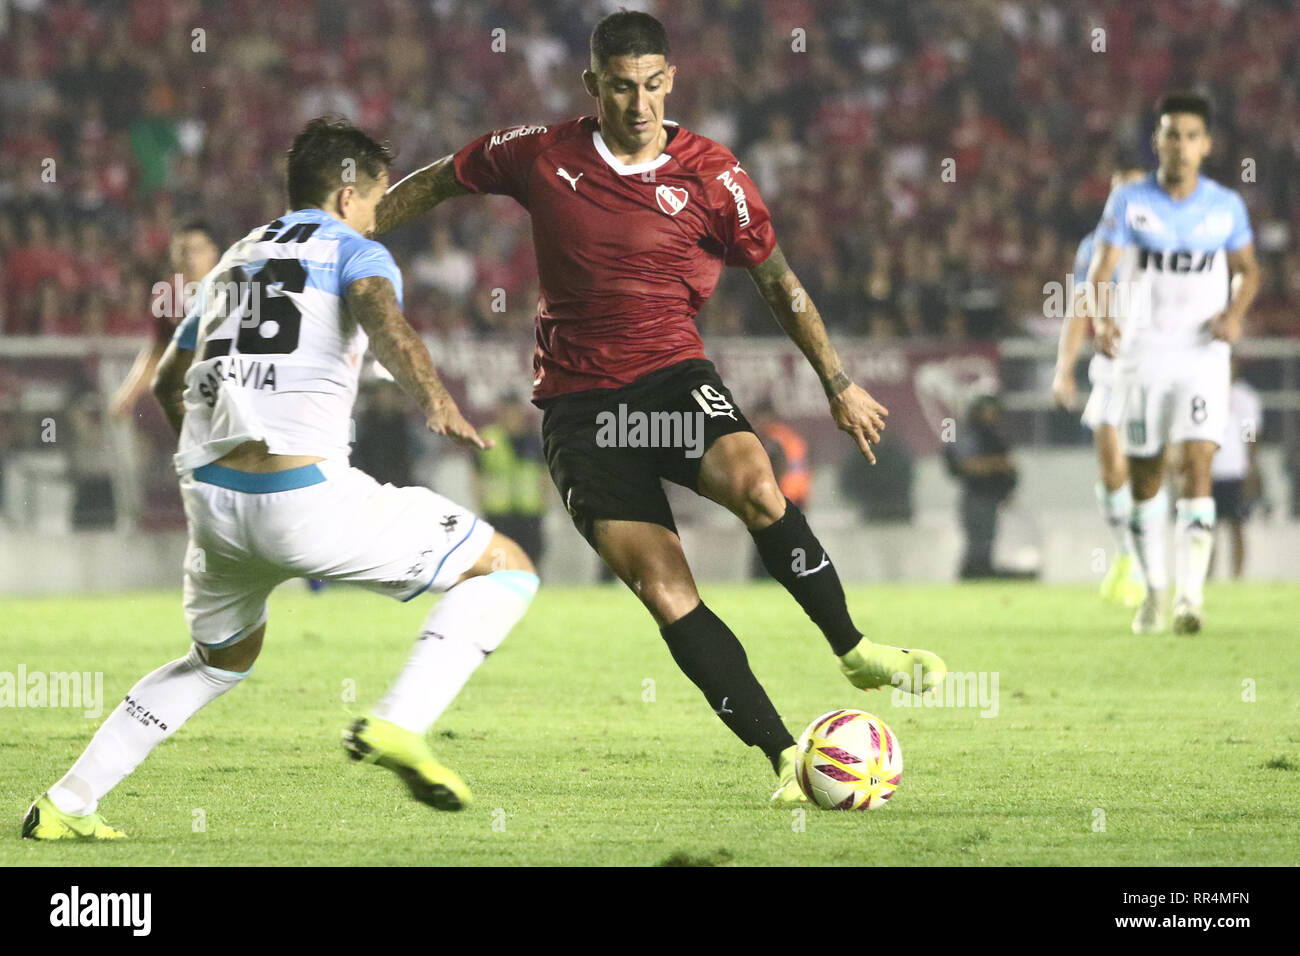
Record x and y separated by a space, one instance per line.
450 422
1226 326
1064 389
857 413
1108 337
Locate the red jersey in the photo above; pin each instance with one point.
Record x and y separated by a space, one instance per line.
626 254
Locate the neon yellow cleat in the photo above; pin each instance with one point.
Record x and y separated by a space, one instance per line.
788 793
869 666
45 821
1122 583
374 740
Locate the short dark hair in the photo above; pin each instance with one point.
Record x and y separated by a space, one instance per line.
1185 102
196 224
627 33
318 156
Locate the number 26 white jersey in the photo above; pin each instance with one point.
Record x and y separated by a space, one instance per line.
277 358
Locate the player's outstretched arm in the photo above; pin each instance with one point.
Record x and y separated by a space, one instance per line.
1095 301
417 193
168 383
372 303
853 409
1244 269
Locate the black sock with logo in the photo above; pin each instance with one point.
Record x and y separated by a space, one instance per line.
793 556
710 655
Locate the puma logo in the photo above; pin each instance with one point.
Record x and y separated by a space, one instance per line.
723 708
800 563
572 180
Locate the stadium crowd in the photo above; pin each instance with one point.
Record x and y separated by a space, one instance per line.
929 164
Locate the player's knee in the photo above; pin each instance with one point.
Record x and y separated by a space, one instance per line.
501 554
238 658
666 600
757 498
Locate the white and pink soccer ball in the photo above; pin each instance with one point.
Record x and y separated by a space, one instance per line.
849 760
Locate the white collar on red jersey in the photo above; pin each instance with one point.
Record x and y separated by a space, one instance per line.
623 169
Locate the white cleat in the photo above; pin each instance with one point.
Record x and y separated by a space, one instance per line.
1150 618
1187 617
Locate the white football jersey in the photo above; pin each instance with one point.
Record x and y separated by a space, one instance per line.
276 357
1174 272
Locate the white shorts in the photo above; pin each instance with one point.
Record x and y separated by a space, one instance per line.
249 533
1178 397
1105 406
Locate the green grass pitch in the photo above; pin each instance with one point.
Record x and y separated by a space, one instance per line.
585 745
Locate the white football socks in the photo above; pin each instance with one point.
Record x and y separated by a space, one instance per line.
153 710
1117 510
467 625
1193 542
1150 518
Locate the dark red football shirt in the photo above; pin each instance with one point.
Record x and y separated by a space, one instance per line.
626 254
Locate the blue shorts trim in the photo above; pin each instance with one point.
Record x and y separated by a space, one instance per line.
259 484
438 569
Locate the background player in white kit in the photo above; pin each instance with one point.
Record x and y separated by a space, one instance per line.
1103 415
277 339
1193 273
1235 471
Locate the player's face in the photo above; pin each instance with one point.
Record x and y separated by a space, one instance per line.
194 254
630 92
1182 142
358 203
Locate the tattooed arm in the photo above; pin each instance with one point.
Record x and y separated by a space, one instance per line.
417 193
853 409
372 304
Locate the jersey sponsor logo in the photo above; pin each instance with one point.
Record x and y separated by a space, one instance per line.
1177 261
738 194
505 137
671 199
564 174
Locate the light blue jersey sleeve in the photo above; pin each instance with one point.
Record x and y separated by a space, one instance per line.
1082 259
186 335
360 257
1241 234
1113 228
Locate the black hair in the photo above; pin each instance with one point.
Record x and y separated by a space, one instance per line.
1185 102
318 159
627 33
196 224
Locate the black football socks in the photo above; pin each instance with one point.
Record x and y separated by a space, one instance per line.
710 655
793 555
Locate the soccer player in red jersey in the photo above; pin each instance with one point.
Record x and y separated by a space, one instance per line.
633 218
193 252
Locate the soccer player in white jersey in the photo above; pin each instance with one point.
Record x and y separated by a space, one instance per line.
274 347
1102 415
1193 274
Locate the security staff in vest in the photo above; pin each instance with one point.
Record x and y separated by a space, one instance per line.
789 454
511 478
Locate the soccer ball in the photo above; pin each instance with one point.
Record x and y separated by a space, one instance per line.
849 760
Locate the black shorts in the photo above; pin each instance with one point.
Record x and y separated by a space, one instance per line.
609 448
1230 499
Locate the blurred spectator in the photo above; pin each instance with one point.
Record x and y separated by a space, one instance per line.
511 477
788 452
881 492
980 459
1235 469
385 448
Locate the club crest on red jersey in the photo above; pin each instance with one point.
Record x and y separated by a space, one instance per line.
671 199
